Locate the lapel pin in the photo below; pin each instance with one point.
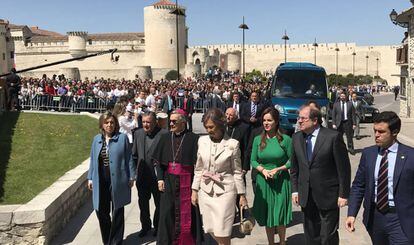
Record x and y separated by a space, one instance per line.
402 157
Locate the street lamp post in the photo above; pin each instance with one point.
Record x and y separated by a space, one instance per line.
337 52
315 45
285 38
353 63
177 12
367 57
377 59
243 26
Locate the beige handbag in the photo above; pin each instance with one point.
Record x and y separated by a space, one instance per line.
246 220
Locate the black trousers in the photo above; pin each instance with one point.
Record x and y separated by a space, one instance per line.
190 123
320 226
145 188
346 127
112 231
386 229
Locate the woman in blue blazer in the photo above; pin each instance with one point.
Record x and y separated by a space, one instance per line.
110 178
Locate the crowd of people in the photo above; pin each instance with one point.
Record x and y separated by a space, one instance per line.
23 91
199 182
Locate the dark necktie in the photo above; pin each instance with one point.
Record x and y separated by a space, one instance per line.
309 147
343 110
382 185
254 110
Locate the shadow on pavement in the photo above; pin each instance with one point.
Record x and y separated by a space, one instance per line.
297 239
134 239
75 224
297 218
8 122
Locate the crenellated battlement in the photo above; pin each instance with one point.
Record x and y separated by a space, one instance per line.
77 33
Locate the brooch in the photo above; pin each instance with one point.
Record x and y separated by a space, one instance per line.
402 157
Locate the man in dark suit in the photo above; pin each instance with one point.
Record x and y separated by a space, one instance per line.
145 142
251 111
320 175
239 131
167 103
343 120
359 113
385 182
235 103
188 107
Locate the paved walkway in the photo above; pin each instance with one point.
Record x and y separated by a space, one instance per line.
84 228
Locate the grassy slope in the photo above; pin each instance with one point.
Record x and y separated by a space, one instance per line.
43 148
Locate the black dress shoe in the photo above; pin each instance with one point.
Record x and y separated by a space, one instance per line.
155 232
142 233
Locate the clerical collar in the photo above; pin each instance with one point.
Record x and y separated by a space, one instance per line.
180 133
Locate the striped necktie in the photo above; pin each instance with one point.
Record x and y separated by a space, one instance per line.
254 110
382 186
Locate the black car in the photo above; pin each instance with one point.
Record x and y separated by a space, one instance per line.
369 112
365 96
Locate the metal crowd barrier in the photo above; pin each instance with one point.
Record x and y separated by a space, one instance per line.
91 104
198 104
63 103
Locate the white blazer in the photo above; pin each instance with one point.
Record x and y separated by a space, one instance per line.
222 162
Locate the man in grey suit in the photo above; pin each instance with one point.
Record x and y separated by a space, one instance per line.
320 175
343 120
357 104
145 142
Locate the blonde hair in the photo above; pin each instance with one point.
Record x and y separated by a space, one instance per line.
106 116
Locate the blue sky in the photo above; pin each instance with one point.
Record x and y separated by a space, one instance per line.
215 21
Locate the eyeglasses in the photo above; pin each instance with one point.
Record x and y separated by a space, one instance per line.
174 122
303 119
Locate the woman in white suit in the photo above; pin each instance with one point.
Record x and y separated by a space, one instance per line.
218 178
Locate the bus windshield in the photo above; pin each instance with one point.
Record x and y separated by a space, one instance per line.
300 84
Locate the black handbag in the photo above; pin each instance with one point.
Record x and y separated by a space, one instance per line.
247 221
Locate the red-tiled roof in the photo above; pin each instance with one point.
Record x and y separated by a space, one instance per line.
36 31
125 36
13 26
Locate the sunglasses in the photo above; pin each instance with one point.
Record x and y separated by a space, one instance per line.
174 122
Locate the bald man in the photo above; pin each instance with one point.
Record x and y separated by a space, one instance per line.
238 130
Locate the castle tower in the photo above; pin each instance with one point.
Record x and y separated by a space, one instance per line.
77 43
6 48
160 35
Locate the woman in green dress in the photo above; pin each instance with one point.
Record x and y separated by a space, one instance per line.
271 152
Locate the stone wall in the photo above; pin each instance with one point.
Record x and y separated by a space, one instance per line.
39 220
266 57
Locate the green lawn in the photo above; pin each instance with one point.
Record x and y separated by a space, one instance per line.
37 149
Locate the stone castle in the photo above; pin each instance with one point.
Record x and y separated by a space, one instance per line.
153 53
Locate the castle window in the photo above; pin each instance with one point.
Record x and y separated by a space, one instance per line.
171 41
11 55
4 56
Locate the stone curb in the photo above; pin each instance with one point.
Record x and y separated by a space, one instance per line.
37 221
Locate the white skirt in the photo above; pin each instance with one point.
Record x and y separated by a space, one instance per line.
218 212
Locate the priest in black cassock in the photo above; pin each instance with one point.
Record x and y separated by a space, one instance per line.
175 157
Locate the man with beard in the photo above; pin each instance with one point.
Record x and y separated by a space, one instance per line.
145 142
175 158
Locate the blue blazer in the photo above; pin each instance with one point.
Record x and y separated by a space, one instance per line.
363 188
120 165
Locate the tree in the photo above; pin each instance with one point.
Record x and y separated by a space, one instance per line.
255 75
171 75
350 79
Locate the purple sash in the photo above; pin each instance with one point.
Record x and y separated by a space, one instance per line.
184 172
